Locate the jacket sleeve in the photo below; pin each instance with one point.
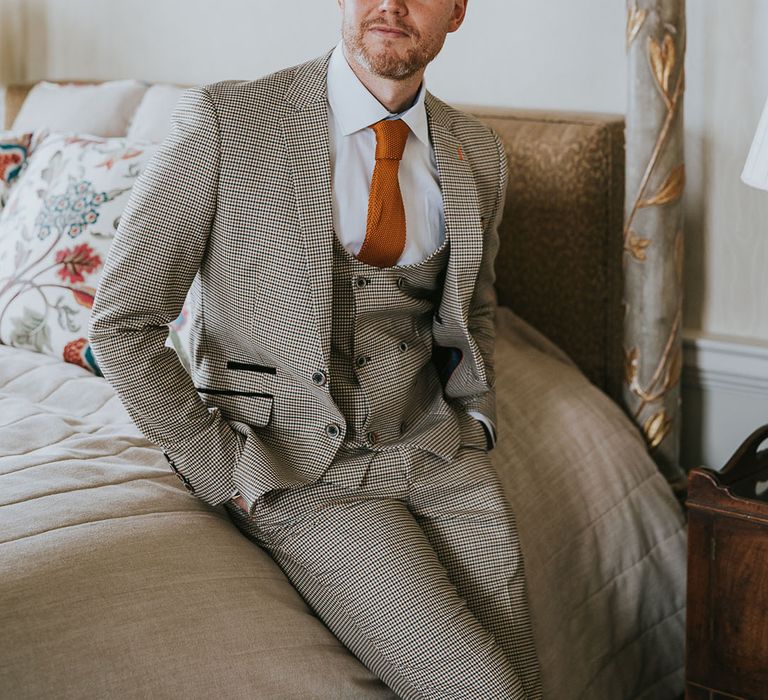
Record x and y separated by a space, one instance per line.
482 309
160 241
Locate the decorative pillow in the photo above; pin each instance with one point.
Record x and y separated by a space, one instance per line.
105 109
55 233
15 149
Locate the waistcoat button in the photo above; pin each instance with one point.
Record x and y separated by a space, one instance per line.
361 282
373 437
403 346
362 360
332 430
319 378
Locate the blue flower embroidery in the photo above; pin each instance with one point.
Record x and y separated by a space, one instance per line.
70 212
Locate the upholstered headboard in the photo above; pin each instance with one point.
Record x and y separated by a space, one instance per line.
560 262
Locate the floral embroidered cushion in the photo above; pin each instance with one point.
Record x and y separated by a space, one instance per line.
15 148
55 233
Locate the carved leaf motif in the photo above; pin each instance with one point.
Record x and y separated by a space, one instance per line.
630 365
636 246
656 428
635 20
662 57
671 190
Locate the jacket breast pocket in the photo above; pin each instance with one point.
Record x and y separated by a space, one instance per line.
244 406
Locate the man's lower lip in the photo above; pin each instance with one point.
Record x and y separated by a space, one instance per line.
389 33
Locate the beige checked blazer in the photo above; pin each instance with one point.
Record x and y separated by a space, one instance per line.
237 204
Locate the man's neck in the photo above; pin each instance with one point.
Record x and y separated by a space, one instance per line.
395 95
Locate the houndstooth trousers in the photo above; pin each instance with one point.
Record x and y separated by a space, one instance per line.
418 571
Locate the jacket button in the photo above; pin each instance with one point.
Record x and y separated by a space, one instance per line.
332 430
373 437
361 282
319 378
185 481
362 360
403 346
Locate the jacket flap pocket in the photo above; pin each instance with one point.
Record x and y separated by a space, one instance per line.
246 407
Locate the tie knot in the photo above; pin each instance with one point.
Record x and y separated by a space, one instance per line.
391 135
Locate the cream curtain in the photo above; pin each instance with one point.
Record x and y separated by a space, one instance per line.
11 31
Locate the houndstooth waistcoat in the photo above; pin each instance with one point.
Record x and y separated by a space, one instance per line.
237 205
382 376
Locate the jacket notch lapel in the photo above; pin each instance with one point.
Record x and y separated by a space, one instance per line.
462 214
308 147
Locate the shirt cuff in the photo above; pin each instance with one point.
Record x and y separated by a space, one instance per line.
490 431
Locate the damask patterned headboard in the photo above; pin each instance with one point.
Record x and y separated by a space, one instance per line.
559 266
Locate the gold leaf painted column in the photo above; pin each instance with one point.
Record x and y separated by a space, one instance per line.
653 227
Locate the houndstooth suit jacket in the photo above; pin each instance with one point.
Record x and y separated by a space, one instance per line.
237 204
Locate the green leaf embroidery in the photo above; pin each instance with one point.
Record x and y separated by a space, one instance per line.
31 330
66 316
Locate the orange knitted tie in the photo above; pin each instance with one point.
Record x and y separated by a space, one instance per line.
385 232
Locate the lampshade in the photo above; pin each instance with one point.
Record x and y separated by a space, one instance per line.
756 168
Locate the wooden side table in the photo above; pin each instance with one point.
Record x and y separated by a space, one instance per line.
727 610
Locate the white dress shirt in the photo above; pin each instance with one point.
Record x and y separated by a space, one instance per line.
351 110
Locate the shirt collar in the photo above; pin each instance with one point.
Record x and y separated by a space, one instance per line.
355 108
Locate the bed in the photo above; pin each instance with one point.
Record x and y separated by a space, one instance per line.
117 583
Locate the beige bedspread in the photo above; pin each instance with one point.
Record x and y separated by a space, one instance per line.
116 583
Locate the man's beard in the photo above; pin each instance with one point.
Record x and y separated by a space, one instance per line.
388 64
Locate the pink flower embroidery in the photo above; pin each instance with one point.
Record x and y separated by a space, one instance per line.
76 262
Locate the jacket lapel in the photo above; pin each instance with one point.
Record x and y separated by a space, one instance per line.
306 131
305 127
462 216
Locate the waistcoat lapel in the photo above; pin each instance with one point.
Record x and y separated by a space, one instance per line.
305 127
462 216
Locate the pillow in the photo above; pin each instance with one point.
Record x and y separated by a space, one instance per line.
15 148
152 120
102 110
55 234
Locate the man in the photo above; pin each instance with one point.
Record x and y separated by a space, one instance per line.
341 405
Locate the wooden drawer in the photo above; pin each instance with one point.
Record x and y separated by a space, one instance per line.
727 606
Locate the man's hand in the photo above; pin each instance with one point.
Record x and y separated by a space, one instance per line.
239 501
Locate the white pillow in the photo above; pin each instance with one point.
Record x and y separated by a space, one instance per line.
152 120
100 110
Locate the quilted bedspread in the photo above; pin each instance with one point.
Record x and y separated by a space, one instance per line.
116 583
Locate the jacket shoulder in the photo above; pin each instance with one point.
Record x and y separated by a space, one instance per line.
270 92
466 126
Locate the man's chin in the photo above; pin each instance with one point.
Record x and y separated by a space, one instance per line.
388 64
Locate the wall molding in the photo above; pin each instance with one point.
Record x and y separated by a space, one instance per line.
715 363
724 396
